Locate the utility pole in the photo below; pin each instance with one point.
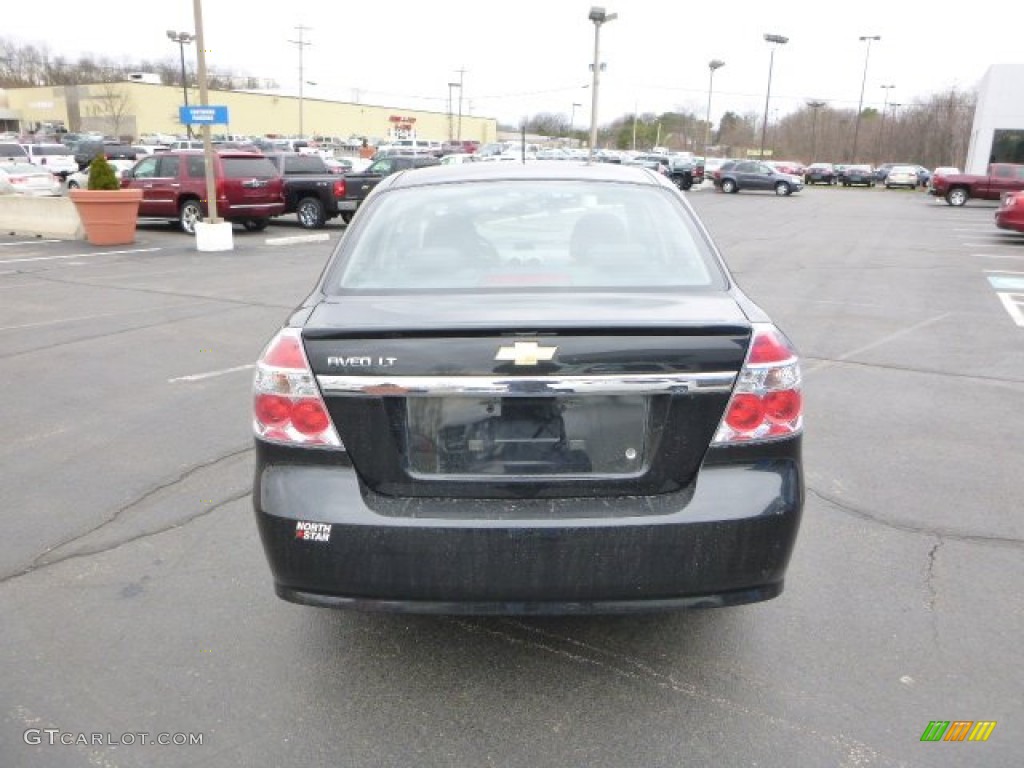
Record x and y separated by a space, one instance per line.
462 76
301 45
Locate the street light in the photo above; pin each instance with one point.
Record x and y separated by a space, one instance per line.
712 66
776 41
885 107
182 39
572 120
860 104
599 17
814 105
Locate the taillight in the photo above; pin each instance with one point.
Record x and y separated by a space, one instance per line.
339 189
287 405
767 402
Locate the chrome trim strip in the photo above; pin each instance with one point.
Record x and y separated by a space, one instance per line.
526 386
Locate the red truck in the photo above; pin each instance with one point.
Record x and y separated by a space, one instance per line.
958 188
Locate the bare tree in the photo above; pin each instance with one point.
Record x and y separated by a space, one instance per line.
112 105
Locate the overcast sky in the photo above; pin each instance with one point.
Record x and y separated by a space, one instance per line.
531 56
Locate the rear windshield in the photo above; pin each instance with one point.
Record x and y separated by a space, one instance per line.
17 169
525 235
304 164
55 149
12 150
248 167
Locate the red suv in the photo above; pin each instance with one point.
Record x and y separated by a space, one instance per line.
173 184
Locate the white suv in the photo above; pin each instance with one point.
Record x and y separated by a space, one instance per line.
57 158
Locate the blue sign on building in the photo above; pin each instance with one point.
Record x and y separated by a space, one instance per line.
209 115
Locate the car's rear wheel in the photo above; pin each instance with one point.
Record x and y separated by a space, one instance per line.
310 213
189 214
72 185
346 216
782 189
728 185
684 183
255 225
957 196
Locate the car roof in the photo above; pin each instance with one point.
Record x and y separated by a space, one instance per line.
566 171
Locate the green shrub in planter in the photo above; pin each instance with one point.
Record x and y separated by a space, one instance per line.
102 174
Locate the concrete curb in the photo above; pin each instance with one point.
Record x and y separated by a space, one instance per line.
54 217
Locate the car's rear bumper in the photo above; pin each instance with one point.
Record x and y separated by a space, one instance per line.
331 542
250 210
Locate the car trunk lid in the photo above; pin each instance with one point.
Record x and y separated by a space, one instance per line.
464 406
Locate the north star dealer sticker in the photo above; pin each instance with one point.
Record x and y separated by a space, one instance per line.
313 531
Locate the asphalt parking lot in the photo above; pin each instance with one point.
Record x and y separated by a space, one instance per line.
136 599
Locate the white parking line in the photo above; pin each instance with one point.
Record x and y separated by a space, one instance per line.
1014 304
78 255
27 242
318 238
992 255
211 374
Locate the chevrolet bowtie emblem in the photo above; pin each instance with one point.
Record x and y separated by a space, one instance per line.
525 353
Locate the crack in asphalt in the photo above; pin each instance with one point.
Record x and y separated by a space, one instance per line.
933 594
906 369
942 533
636 670
38 563
138 537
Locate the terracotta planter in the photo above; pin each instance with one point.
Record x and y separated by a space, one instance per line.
109 217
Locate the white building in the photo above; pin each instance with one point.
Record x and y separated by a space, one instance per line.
998 131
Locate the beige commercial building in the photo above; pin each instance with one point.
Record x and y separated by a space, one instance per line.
130 109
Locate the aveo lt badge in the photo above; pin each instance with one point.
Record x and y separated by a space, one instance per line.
525 353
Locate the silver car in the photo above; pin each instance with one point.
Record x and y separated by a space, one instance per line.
28 179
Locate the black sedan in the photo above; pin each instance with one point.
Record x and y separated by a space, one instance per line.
853 175
755 175
527 389
820 173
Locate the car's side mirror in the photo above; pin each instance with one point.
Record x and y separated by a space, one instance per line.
126 174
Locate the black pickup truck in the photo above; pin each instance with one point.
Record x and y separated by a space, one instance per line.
311 191
358 185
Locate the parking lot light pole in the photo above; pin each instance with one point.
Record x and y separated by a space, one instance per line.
712 66
776 41
860 104
182 39
572 119
599 17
